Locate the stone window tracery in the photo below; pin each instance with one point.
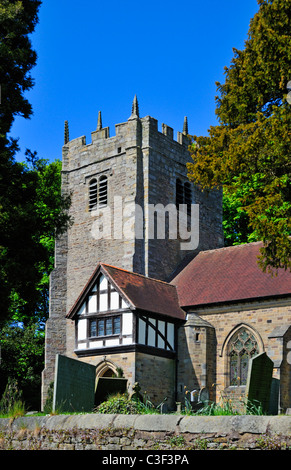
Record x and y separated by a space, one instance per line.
241 348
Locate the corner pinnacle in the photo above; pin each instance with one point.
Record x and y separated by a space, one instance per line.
99 123
134 109
185 126
66 137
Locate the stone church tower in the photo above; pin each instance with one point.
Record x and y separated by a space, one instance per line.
113 181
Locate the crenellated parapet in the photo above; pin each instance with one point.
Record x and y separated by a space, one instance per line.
135 131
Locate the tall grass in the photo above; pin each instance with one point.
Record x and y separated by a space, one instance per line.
11 404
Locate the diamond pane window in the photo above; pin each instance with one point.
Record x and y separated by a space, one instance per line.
241 348
233 368
244 362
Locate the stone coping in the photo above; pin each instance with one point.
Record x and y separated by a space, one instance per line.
223 425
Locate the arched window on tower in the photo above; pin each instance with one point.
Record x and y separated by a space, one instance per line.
187 197
241 348
98 193
183 195
102 200
93 192
179 193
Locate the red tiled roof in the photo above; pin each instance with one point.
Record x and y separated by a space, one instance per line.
227 275
141 292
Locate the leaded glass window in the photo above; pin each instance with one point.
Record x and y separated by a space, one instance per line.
105 326
242 347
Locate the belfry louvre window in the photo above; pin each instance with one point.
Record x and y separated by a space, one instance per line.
93 191
183 195
179 193
98 196
187 197
102 200
242 347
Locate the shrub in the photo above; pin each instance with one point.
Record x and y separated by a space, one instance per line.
120 404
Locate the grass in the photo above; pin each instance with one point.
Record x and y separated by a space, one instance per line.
16 410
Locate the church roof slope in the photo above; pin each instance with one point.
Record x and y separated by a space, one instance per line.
227 275
141 292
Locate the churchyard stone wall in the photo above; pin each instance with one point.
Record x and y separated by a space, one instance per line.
145 432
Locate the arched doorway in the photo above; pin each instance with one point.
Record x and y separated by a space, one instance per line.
108 373
106 368
108 381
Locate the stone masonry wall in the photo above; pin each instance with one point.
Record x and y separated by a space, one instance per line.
196 358
146 432
166 162
142 165
270 323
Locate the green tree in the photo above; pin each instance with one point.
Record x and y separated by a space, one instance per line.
35 213
22 361
248 152
17 20
32 210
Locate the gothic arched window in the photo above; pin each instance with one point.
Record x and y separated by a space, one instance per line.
241 348
98 194
183 195
93 191
179 193
187 197
102 200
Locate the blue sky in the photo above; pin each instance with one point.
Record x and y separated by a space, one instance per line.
95 55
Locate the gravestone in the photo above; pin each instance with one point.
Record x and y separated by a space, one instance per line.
203 395
74 387
274 397
259 382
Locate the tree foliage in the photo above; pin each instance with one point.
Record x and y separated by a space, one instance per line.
32 213
22 361
17 20
32 209
248 152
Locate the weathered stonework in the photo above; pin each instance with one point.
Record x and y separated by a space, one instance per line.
268 320
172 434
142 166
